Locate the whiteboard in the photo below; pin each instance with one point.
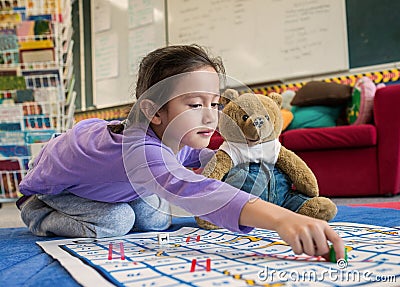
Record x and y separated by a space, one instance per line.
123 31
265 40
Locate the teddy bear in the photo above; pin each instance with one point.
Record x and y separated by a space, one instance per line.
252 159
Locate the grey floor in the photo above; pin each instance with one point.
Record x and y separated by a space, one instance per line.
10 217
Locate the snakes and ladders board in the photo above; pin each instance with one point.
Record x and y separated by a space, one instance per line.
197 257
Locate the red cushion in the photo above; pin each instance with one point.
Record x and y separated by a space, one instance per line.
329 138
216 140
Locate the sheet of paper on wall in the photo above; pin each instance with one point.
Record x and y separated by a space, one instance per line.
142 40
140 12
102 16
106 55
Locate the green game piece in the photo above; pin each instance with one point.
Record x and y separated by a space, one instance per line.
332 254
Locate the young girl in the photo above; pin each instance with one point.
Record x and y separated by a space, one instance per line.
100 179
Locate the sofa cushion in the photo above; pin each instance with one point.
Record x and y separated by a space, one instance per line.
341 137
314 117
360 108
322 93
287 117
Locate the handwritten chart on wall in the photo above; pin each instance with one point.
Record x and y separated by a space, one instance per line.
265 40
110 18
146 30
124 31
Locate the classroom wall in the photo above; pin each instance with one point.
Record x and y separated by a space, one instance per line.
371 36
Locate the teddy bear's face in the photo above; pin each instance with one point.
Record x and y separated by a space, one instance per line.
250 119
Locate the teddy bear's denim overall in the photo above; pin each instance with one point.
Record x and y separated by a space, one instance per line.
267 182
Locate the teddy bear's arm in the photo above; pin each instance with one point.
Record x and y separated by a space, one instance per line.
218 166
300 174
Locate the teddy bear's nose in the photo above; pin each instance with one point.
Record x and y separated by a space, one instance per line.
258 122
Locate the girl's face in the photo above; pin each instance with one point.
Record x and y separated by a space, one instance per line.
191 118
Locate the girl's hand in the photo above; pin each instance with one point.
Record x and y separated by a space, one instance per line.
304 234
309 235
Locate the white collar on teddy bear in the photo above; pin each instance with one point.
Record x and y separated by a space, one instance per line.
266 152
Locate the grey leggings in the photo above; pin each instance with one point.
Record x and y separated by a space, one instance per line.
68 215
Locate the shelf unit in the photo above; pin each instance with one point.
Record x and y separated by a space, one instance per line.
36 83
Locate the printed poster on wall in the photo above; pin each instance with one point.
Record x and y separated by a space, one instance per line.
141 41
106 52
102 16
140 13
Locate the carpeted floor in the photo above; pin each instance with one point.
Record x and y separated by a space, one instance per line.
9 214
393 205
23 262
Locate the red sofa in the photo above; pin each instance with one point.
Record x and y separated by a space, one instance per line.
353 160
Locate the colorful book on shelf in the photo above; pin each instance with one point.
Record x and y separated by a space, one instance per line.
42 78
50 7
37 122
12 83
37 56
35 35
11 18
35 29
25 29
8 30
9 53
9 57
12 137
6 5
11 6
11 12
21 11
32 108
9 164
8 42
22 96
10 71
47 95
35 45
42 27
12 126
11 113
6 99
13 150
43 16
39 136
10 178
14 164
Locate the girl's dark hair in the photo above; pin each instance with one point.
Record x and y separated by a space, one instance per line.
169 61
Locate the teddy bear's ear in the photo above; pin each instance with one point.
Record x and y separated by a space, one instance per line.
228 95
277 98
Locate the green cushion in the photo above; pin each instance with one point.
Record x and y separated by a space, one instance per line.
314 117
360 108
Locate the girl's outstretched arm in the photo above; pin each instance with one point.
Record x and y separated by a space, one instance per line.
304 234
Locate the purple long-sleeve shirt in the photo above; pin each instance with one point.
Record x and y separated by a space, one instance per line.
92 162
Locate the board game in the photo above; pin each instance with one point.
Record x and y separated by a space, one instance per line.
197 257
